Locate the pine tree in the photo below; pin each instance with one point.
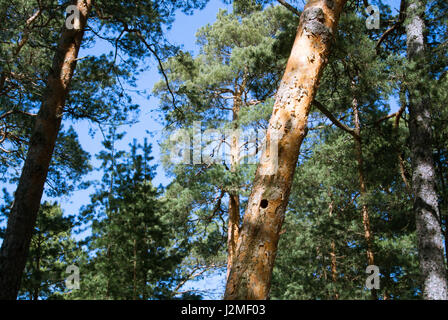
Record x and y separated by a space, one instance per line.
227 87
52 250
24 212
136 256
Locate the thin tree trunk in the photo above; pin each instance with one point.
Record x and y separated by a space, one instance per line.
135 271
28 195
363 187
233 228
250 276
386 295
110 213
234 198
38 274
428 221
398 149
334 270
356 134
446 243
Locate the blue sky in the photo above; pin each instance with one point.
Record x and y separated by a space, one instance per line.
183 33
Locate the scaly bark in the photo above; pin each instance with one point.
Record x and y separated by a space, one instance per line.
250 276
28 195
428 220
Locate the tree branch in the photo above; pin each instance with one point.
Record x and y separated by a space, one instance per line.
154 53
16 111
332 118
400 21
289 7
397 116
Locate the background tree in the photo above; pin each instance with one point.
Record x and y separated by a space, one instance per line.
227 87
52 250
135 254
352 190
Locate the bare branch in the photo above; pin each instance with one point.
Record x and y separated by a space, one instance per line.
397 116
16 111
289 7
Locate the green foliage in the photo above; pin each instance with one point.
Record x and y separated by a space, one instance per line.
133 254
52 250
324 217
229 85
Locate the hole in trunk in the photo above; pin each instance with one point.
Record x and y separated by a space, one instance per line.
264 203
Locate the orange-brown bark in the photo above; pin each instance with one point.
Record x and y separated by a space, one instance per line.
250 276
363 188
334 270
28 195
233 228
362 183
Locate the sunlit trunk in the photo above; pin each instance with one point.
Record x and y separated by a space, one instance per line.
250 276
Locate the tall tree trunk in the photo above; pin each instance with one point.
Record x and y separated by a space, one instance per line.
428 221
234 198
334 270
401 162
38 273
250 276
28 195
134 267
363 187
